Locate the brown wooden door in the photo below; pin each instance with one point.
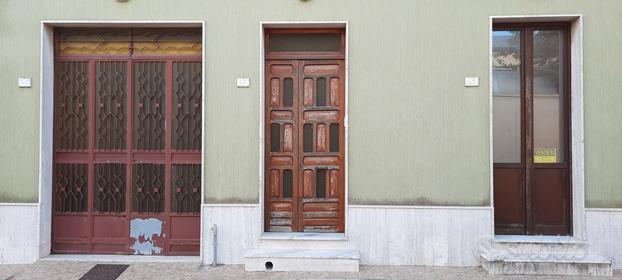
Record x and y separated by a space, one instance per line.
531 129
304 145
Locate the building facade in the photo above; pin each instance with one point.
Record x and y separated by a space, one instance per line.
306 135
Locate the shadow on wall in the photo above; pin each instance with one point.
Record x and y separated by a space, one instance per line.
10 198
419 201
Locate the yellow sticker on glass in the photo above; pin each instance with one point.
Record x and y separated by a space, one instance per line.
545 155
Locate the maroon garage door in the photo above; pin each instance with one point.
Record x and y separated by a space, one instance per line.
127 141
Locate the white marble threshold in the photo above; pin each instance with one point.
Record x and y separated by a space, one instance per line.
122 258
548 239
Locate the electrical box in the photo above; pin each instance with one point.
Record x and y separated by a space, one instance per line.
243 82
24 82
471 81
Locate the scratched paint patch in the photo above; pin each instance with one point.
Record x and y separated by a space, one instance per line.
145 234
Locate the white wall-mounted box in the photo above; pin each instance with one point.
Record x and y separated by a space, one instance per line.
471 81
243 82
24 82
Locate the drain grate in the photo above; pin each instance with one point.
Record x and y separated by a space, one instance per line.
105 272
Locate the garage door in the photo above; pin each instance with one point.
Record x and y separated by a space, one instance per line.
127 141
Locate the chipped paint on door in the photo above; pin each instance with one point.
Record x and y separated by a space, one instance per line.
145 234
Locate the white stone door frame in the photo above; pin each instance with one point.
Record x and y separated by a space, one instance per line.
576 114
46 114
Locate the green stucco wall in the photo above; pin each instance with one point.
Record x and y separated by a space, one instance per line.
416 134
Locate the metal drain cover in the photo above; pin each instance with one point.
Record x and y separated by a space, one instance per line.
105 272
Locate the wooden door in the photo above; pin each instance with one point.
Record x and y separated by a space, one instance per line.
304 145
531 129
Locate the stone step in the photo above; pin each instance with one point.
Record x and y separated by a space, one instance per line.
546 264
301 260
513 244
300 240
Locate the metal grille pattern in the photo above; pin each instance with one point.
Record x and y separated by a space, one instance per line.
82 41
72 105
71 187
110 188
111 92
176 41
128 41
148 188
187 102
149 102
127 141
186 188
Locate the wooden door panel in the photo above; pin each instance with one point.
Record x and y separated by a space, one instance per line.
510 197
550 201
322 150
281 144
304 145
281 217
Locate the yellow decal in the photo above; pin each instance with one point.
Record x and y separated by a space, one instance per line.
545 155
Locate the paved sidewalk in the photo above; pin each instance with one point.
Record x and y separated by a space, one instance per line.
51 270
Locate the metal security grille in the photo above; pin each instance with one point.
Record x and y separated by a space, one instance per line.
110 186
186 182
72 100
111 99
149 105
71 188
127 141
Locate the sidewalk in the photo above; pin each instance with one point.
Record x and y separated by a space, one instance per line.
50 270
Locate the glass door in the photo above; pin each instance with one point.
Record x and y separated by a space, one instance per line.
531 128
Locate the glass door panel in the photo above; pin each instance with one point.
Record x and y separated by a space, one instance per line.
548 96
506 95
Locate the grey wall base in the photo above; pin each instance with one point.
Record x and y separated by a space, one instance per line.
526 267
527 255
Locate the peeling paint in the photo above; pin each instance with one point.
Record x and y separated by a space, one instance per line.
145 233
